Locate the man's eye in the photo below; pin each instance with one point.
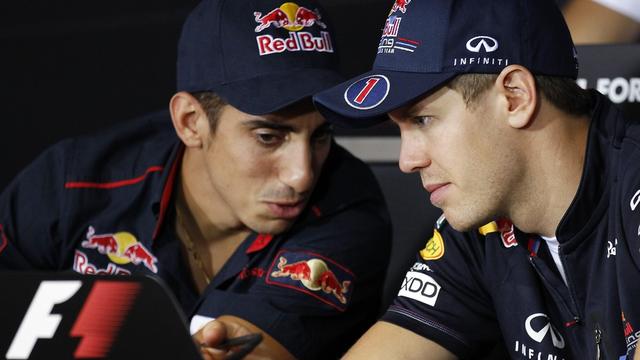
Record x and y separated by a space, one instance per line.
268 138
422 120
323 136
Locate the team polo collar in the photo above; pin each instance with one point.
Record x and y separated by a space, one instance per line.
163 196
582 217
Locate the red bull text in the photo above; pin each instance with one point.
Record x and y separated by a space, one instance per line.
297 41
293 18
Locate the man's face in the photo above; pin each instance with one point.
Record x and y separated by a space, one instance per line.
262 168
464 155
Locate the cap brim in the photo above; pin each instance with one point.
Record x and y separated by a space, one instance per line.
402 88
274 91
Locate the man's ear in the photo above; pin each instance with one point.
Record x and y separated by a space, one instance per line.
517 86
189 119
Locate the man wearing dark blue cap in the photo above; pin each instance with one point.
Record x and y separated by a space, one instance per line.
542 176
251 215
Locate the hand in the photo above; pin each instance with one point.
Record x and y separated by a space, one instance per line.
214 333
227 327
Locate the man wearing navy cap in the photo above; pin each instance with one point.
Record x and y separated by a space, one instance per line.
252 215
542 176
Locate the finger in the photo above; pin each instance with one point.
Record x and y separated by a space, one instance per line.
213 333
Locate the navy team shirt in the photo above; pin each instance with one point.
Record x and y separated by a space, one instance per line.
498 287
103 205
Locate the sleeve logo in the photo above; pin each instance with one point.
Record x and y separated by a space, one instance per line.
420 287
313 274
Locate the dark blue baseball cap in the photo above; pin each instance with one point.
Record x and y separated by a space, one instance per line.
259 56
426 43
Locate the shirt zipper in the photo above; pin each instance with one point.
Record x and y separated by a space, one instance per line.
597 334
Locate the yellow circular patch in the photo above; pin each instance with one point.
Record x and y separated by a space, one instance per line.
291 9
124 240
434 249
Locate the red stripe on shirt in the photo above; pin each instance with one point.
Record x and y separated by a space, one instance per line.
112 184
3 239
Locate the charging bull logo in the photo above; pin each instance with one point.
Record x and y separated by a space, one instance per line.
313 274
400 5
289 16
121 248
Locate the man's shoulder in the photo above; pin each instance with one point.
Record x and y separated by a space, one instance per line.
122 151
117 152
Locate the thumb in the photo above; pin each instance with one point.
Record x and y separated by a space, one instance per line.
213 333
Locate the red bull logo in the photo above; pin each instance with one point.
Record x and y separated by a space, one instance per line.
390 41
507 233
328 284
293 18
82 265
289 16
628 330
400 5
121 248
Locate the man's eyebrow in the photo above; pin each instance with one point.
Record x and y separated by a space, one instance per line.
262 123
324 127
415 110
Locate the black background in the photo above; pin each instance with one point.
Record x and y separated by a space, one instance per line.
72 67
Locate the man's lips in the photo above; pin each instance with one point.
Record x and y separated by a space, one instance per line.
437 191
286 209
433 187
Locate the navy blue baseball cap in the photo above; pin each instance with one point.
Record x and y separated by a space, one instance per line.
259 56
426 43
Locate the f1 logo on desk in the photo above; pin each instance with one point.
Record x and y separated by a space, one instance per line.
96 324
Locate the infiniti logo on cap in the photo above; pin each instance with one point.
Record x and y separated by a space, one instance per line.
489 44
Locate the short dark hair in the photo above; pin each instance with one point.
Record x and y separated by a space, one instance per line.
562 92
212 105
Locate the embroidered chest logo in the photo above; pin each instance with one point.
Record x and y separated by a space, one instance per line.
313 274
630 337
121 248
538 330
628 330
611 248
635 200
